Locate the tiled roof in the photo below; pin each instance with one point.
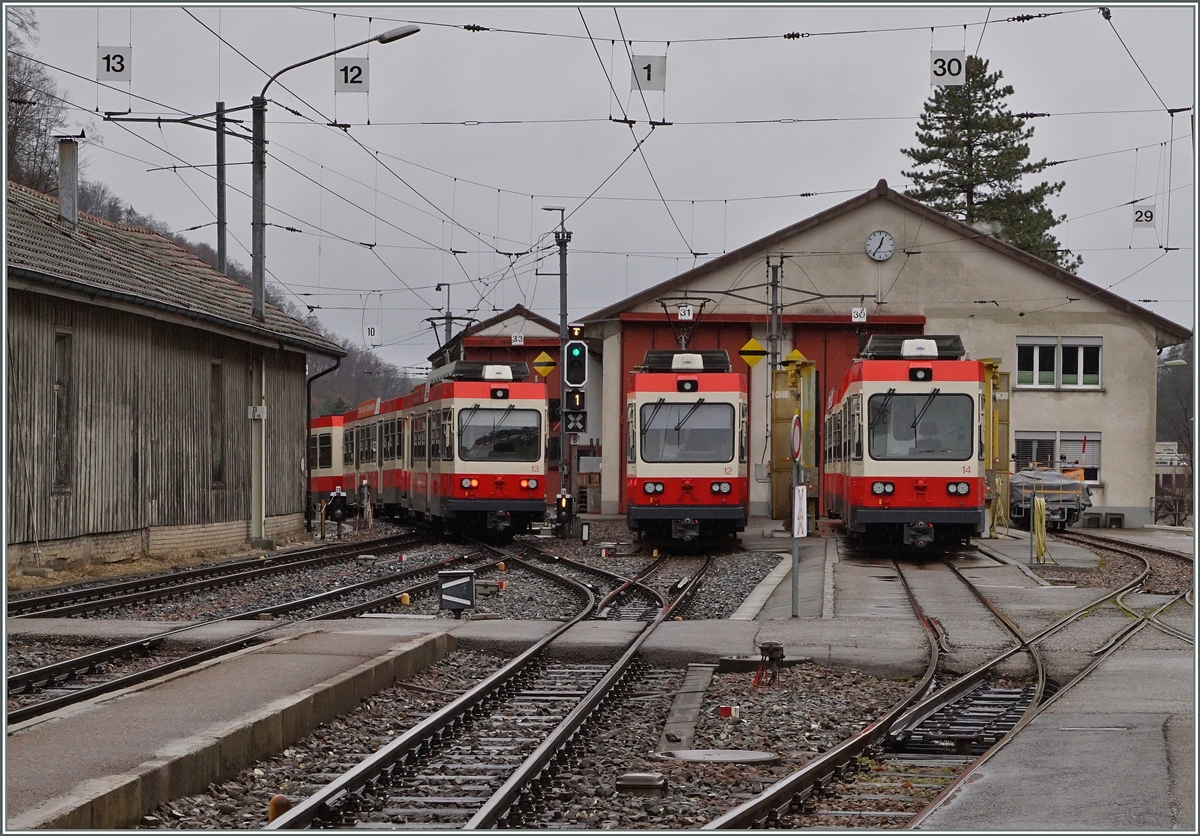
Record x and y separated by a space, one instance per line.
138 267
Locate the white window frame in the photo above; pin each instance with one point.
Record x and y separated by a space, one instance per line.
1058 437
1060 346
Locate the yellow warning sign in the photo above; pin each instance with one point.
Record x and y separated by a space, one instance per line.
752 352
543 364
795 357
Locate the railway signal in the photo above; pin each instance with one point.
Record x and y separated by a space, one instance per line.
575 369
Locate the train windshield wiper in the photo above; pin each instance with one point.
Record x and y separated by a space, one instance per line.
470 414
933 394
507 411
646 424
689 414
887 399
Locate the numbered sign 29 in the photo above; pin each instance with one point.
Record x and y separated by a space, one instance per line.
649 72
947 68
114 63
350 75
1143 216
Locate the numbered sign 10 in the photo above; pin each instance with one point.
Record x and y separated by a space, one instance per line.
1143 216
649 72
947 68
114 63
350 75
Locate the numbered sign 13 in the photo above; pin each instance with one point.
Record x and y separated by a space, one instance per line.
1143 216
350 75
114 63
947 68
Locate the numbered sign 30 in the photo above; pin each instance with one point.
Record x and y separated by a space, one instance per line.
1143 215
649 72
350 75
114 63
947 68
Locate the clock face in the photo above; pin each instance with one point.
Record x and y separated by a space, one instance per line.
880 245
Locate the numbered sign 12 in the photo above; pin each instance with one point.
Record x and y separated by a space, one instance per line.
1143 216
114 63
947 68
350 75
649 72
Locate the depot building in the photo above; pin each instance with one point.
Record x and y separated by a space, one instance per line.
1080 360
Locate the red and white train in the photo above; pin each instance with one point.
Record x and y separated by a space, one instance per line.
467 450
904 453
686 446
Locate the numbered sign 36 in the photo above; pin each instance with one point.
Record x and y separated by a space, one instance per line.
114 63
1143 216
350 75
649 72
948 68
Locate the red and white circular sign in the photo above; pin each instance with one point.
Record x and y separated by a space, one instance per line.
796 438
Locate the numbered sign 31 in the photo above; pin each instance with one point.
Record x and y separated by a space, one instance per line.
350 75
686 313
114 63
948 68
1143 216
649 72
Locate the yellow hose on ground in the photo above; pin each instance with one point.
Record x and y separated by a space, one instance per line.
1037 531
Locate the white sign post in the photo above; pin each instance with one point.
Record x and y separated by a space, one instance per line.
799 511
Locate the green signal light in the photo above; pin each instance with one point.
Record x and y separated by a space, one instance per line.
574 352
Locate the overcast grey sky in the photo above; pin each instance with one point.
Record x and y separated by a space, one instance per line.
465 135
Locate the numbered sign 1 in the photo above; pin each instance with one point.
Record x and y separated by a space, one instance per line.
649 72
686 313
1143 216
350 75
948 68
114 63
858 314
518 339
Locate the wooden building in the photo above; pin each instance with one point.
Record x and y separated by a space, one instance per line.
130 373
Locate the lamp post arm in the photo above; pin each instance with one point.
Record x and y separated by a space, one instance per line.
383 38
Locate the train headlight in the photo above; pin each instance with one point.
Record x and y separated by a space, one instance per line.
466 483
533 483
721 487
726 487
964 488
649 487
952 487
889 488
877 488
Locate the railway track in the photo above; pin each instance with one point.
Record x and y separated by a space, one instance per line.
39 691
897 771
505 738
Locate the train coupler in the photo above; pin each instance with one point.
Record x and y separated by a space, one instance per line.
499 521
919 534
686 529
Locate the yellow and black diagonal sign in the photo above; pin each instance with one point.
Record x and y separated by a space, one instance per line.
752 352
543 364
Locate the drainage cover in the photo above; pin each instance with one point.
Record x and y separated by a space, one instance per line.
721 755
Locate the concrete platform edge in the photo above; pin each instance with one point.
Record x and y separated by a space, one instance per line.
187 766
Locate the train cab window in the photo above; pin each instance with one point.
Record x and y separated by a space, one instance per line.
924 426
435 436
311 461
743 430
447 451
688 431
856 427
506 435
324 457
348 448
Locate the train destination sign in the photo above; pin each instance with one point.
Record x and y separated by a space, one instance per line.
752 352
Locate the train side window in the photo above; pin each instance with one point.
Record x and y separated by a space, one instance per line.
856 426
325 451
630 433
448 435
348 448
401 423
418 439
743 436
435 436
311 461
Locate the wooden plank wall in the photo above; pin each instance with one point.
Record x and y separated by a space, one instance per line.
142 423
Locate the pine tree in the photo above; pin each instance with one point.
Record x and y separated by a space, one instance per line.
972 157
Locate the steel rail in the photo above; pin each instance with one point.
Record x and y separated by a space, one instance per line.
540 759
373 768
776 799
48 675
37 602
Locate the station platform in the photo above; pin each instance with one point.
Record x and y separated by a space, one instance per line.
173 737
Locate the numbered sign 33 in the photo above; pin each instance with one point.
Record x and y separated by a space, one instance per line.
649 72
947 68
1143 216
350 75
114 63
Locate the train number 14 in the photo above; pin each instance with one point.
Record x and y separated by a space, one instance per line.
966 468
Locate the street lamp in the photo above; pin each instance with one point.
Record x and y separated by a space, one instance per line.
258 222
561 237
258 256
